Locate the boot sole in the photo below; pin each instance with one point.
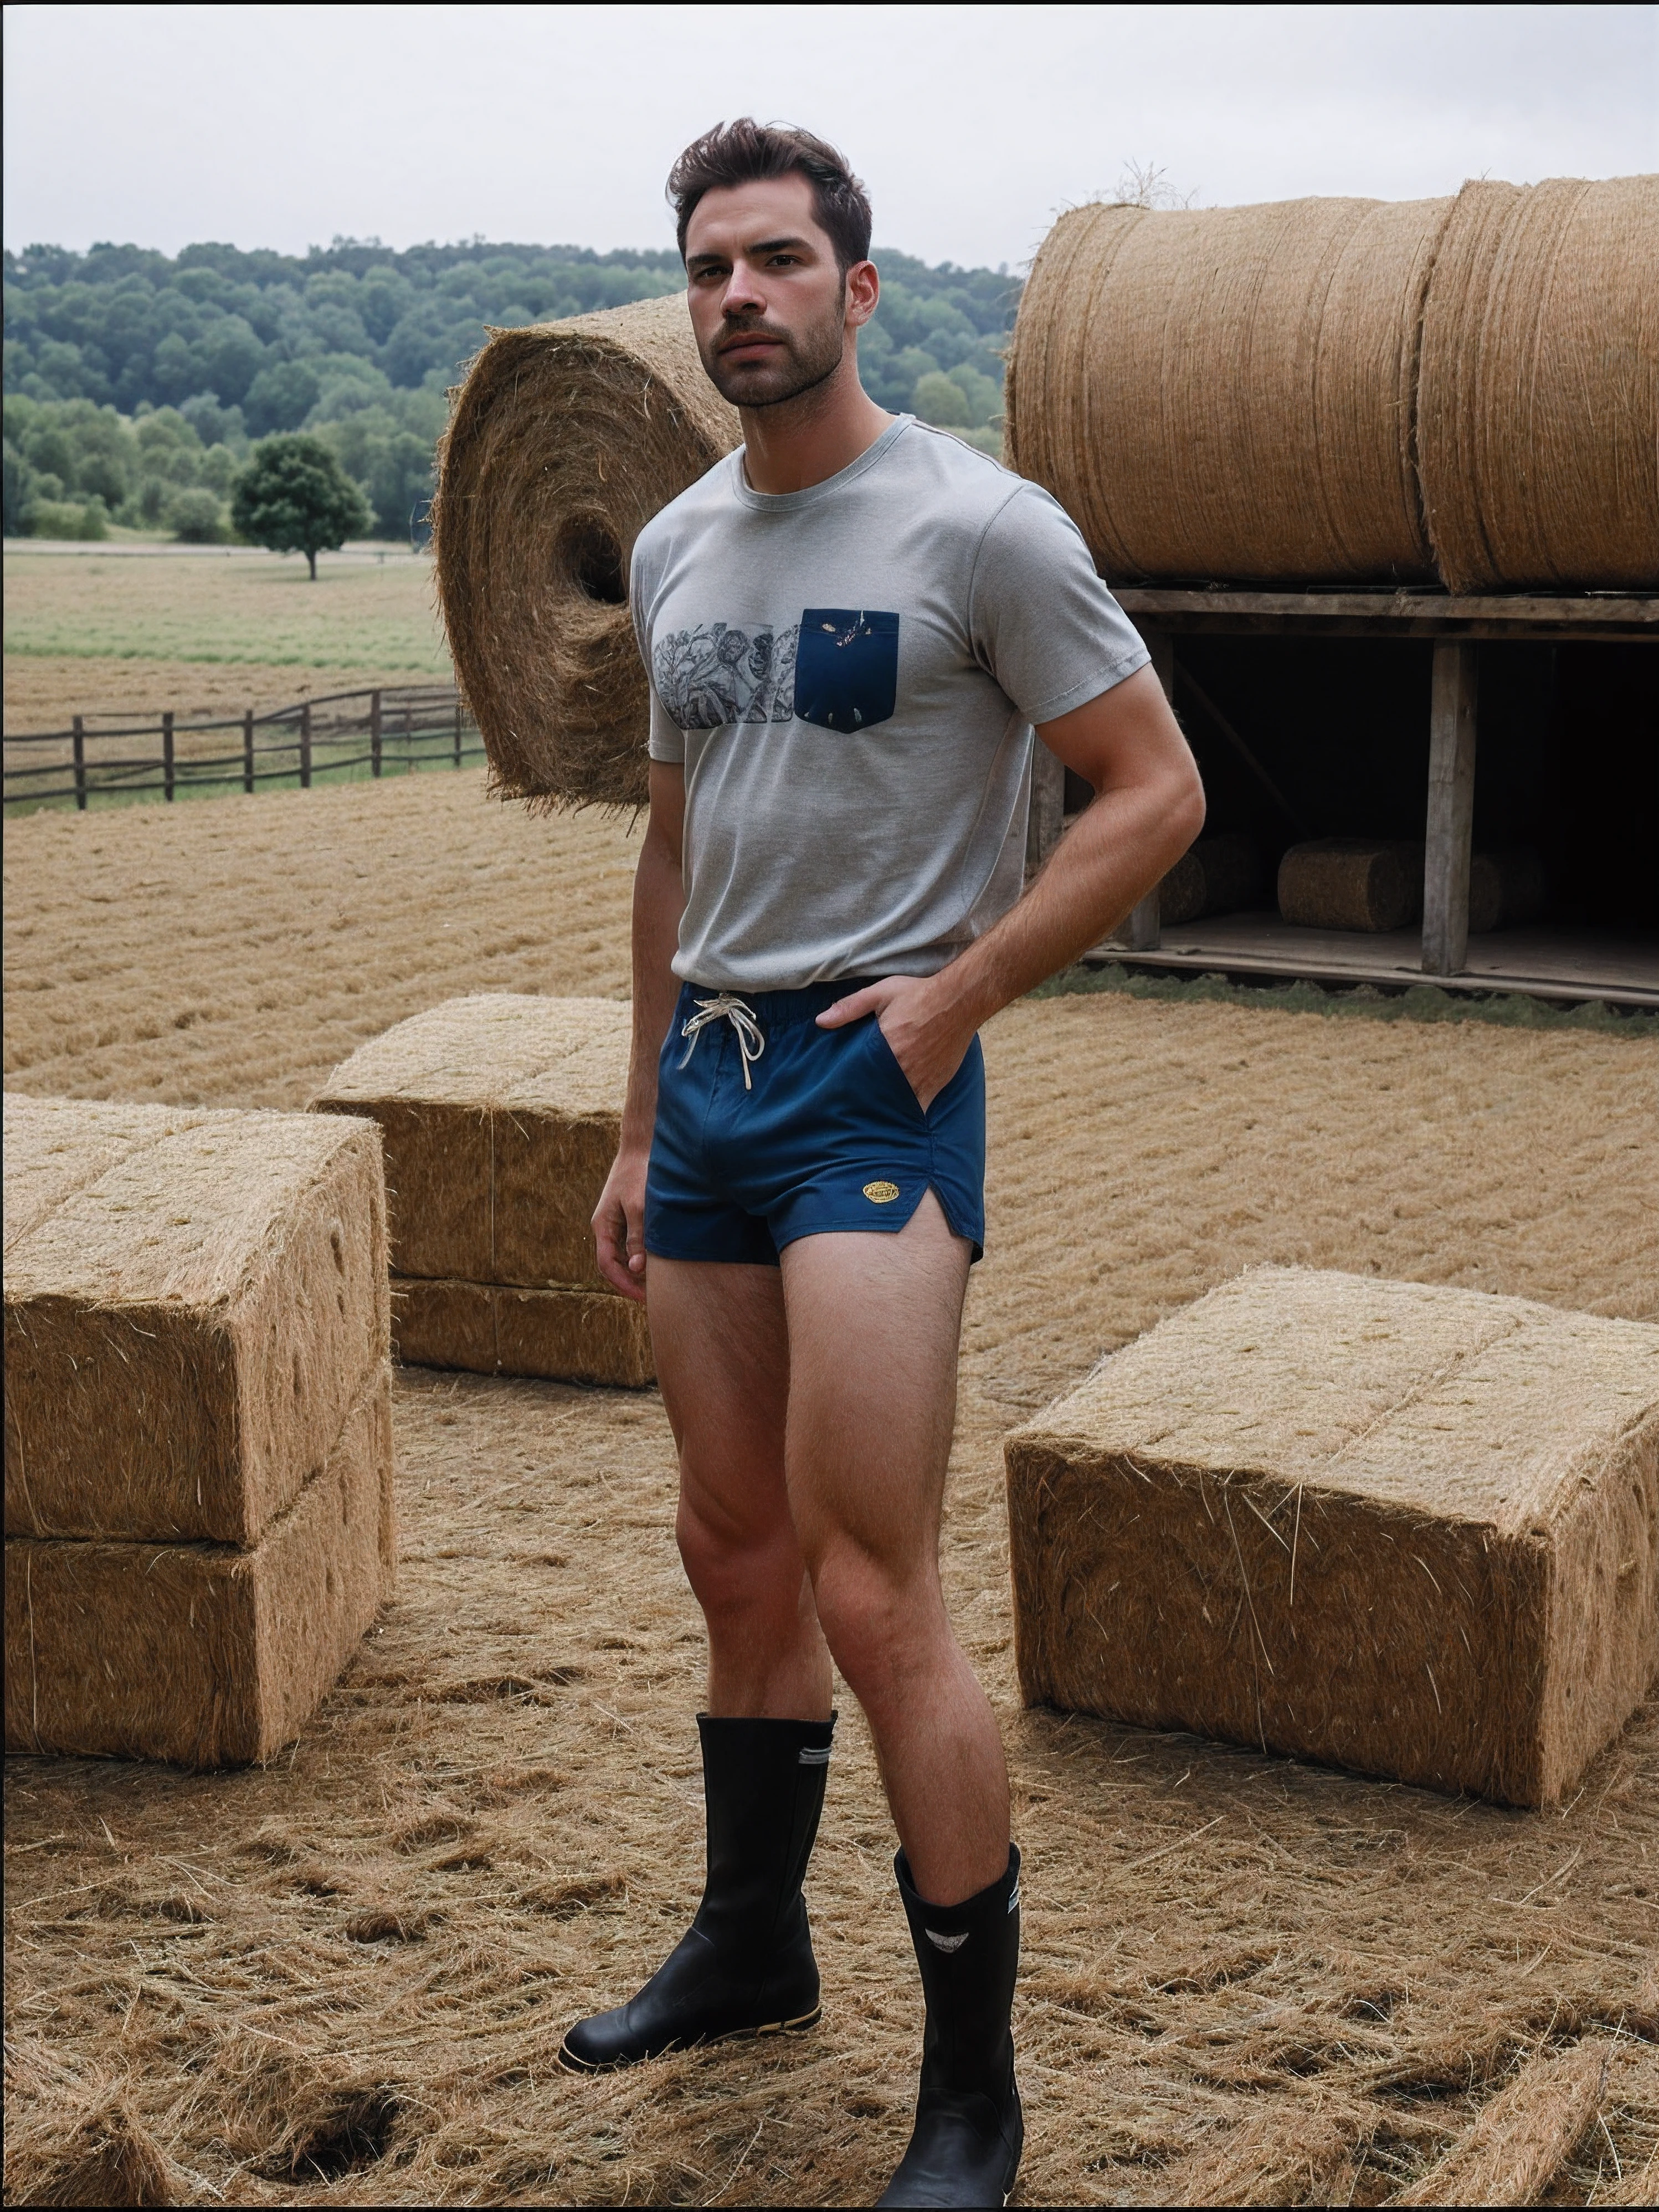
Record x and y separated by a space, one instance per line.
571 2064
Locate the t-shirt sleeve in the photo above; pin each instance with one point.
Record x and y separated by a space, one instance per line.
666 741
1040 619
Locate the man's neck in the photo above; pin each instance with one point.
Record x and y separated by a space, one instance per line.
804 441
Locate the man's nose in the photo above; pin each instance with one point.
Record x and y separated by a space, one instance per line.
744 296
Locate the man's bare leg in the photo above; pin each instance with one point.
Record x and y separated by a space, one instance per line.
722 1355
873 1326
745 1965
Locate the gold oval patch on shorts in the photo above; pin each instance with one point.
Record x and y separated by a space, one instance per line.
881 1194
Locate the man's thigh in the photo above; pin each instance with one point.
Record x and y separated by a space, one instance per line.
874 1324
722 1356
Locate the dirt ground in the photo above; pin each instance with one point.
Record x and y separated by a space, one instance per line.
132 631
343 1979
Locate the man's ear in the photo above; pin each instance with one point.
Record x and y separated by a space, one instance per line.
863 291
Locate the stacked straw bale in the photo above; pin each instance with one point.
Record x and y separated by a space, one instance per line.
198 1456
566 438
1324 390
1409 1530
1229 392
501 1116
1538 409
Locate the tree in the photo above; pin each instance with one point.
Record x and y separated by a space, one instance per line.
295 497
941 399
280 397
196 515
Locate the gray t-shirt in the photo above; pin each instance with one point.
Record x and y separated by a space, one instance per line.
850 674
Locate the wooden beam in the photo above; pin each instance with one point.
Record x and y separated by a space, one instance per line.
1194 689
1225 612
1145 925
1047 816
1451 810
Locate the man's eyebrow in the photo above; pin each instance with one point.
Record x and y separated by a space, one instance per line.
760 246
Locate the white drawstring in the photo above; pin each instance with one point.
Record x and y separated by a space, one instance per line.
726 1007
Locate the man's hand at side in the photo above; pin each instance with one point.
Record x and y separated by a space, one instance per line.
659 900
619 1223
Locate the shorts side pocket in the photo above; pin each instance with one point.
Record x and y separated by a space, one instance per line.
888 1061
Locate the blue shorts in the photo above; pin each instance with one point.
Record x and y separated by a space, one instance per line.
828 1136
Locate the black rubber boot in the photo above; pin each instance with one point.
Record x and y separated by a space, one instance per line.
745 1965
969 2130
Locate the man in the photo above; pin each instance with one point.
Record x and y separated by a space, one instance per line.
851 626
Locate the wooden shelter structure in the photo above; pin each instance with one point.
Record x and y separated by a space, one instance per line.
1550 963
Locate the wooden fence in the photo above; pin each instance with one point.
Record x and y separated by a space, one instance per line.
394 731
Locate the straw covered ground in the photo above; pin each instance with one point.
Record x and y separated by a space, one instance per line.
342 1978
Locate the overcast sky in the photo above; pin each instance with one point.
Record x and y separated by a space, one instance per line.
973 126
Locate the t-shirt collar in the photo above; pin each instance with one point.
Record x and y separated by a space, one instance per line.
791 503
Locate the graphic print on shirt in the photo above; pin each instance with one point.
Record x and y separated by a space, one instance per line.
837 668
719 673
847 667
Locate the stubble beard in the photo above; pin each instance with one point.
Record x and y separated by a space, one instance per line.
805 360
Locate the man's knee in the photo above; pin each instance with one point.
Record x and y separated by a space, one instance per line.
881 1629
735 1566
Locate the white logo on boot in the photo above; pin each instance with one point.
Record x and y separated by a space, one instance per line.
943 1942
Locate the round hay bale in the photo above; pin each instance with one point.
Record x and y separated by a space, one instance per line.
1506 889
565 440
1538 402
1217 875
1228 393
1350 883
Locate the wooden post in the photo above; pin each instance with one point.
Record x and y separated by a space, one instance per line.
166 754
1145 922
247 751
1451 810
374 733
458 729
79 730
1047 816
305 746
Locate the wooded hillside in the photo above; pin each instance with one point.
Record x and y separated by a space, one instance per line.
134 382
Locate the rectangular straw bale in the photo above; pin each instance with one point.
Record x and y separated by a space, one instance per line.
202 1653
1410 1530
192 1301
492 1328
501 1116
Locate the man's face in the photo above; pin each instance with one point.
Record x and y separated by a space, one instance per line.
770 306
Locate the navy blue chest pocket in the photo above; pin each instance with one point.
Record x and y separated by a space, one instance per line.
846 667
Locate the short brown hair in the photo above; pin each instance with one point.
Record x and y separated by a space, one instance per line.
736 152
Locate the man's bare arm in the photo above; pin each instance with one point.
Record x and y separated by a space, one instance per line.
659 900
1148 809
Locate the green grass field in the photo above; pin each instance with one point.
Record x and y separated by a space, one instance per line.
226 606
121 633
